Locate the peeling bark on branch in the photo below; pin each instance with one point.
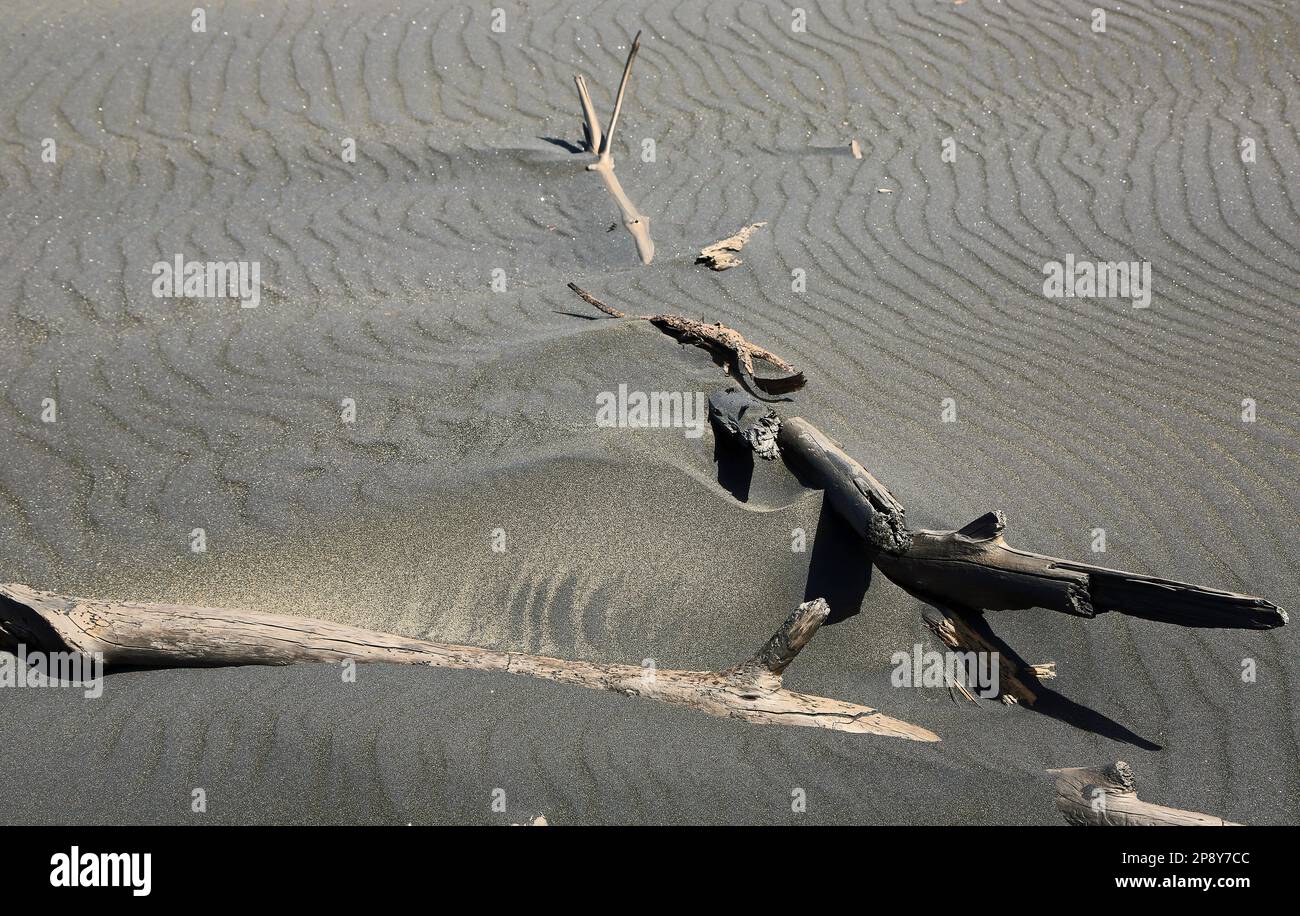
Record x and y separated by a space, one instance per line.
719 339
1107 797
170 635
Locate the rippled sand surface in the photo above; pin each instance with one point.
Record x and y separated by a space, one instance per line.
475 407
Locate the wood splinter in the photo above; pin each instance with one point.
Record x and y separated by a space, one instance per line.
1107 797
170 635
721 255
724 341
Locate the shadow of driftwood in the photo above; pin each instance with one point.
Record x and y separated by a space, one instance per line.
568 145
736 470
839 569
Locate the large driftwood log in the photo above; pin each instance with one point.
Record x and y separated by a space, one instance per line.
856 495
974 567
1107 797
170 635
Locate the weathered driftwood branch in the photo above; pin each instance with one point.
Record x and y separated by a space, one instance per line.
170 635
860 499
600 143
717 338
974 567
606 156
1107 797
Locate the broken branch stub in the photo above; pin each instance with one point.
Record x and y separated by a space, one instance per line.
1107 797
172 635
788 641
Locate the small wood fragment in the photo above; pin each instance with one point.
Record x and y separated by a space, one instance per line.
721 255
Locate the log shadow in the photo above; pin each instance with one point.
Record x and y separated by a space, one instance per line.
736 471
839 569
21 626
564 144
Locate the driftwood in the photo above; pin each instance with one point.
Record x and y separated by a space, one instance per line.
1107 797
721 340
966 572
600 143
974 566
722 255
169 635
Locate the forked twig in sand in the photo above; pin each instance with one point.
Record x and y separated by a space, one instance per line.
170 635
721 255
1107 797
722 340
966 572
600 143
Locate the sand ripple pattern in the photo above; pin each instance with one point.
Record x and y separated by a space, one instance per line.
475 407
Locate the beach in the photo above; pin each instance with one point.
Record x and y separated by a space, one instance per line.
403 433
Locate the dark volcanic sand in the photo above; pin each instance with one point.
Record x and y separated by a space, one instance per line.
475 408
